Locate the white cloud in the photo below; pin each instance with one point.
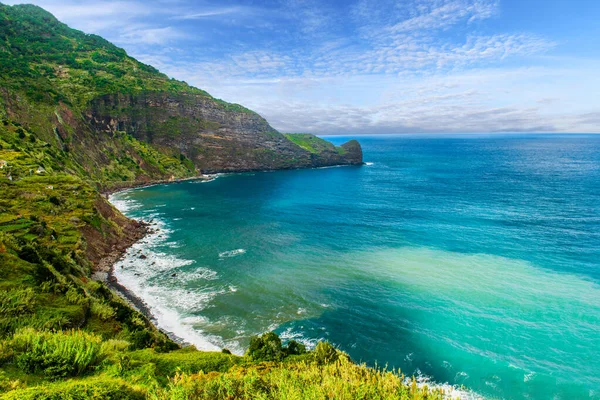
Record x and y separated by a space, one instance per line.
93 16
378 66
444 14
149 36
481 100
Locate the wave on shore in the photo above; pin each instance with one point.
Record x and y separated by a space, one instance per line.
142 271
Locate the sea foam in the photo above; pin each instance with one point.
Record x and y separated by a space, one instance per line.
232 253
144 271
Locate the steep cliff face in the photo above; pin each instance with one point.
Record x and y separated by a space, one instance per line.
122 120
216 136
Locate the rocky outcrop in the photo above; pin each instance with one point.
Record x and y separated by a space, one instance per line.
215 135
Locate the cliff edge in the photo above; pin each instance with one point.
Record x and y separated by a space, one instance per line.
121 120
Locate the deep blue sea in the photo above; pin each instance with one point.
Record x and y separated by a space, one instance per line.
473 260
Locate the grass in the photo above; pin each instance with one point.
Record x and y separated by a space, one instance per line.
313 144
80 365
341 380
52 354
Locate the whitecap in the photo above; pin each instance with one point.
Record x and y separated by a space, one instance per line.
528 377
450 391
232 253
209 178
290 334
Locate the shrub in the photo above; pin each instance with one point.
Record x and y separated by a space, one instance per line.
102 311
268 348
17 302
295 348
55 355
325 353
339 380
265 348
140 339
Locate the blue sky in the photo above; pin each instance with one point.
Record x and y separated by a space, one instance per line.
372 66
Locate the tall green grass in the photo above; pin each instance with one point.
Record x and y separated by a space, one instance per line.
91 388
339 380
52 354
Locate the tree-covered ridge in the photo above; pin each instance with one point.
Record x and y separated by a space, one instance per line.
51 62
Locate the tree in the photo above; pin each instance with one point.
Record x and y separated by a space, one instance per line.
265 348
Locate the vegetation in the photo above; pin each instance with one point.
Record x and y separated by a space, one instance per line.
313 143
35 364
51 62
64 335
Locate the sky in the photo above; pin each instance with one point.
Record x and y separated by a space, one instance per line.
371 66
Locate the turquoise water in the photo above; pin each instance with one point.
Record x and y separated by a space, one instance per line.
472 260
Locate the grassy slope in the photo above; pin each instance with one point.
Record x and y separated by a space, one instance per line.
101 347
51 62
313 143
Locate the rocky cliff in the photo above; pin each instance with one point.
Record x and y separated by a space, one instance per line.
216 136
122 120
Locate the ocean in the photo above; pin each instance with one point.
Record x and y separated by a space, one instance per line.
471 260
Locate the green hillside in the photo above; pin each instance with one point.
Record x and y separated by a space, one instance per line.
312 143
66 135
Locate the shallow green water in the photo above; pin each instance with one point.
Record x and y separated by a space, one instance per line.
473 261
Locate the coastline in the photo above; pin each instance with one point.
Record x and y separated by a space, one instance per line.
128 185
137 303
105 270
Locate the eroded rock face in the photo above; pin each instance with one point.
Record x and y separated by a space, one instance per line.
216 136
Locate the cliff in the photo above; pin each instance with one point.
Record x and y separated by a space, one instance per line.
83 95
216 137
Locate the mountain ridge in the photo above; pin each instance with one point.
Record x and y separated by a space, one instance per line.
85 91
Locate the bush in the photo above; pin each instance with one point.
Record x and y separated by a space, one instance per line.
17 302
325 353
339 380
266 348
54 355
295 348
103 311
140 339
